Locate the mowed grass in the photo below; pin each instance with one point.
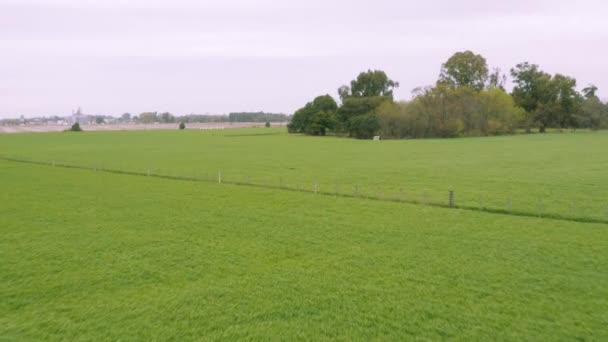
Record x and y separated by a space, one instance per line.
552 174
97 256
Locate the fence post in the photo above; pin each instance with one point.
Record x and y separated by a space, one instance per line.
219 177
316 187
451 199
148 173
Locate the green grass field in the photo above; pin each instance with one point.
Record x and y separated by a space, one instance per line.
561 174
97 256
92 255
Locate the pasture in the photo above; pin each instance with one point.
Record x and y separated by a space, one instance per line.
94 255
560 174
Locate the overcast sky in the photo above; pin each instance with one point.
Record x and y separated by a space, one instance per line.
187 56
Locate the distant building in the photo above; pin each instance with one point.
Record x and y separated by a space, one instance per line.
79 117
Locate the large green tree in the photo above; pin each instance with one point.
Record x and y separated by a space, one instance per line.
465 69
356 116
316 117
350 115
549 101
530 90
369 84
530 85
593 113
568 101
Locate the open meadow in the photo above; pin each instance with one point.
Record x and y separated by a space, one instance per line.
558 174
181 170
99 256
95 255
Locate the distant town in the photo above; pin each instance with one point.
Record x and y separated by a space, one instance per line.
80 117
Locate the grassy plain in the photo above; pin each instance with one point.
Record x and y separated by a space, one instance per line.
559 173
97 256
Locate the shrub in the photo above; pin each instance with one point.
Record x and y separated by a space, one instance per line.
363 126
445 112
316 117
267 124
76 128
182 125
393 120
357 106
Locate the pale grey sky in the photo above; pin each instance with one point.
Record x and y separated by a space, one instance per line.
187 56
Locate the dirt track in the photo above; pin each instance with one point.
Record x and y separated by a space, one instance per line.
131 127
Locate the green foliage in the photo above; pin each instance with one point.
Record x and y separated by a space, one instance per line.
467 100
549 101
363 126
567 100
433 112
593 114
450 112
530 85
75 128
182 125
267 124
366 93
316 118
354 107
369 84
496 114
465 69
394 120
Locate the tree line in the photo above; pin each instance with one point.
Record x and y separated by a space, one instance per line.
152 117
468 99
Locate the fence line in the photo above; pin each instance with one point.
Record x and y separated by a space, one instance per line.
451 199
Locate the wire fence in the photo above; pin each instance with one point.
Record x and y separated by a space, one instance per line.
560 208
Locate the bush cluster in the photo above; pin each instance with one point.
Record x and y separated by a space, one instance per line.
467 100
